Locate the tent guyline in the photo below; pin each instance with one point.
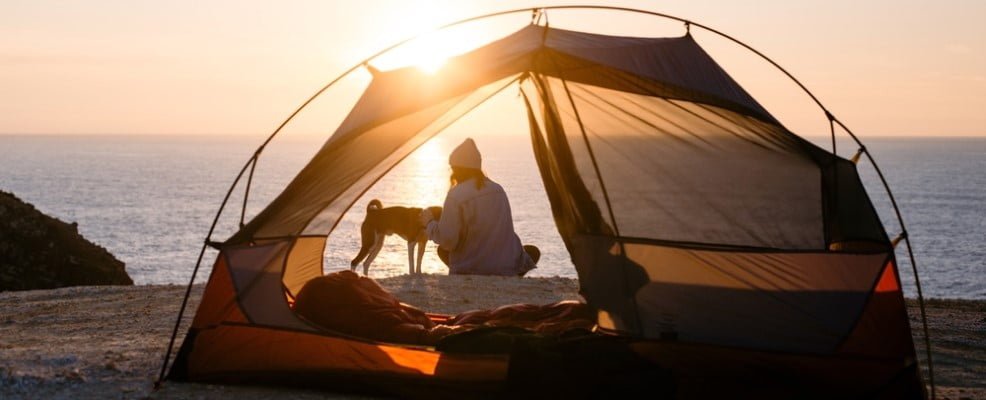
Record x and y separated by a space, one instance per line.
577 215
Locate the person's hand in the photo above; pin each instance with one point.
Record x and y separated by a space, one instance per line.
425 217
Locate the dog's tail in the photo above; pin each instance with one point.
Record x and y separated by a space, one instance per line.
369 238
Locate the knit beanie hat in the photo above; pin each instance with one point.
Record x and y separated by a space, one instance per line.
466 155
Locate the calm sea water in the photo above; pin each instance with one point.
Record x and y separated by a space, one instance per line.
150 199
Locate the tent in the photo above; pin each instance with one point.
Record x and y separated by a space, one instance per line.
721 246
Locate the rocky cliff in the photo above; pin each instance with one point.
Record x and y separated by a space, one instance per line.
41 252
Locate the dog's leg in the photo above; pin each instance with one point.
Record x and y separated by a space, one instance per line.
422 244
377 245
367 238
410 256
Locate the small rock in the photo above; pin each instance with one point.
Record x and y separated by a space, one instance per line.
74 375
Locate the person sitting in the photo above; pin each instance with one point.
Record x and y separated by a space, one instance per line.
475 232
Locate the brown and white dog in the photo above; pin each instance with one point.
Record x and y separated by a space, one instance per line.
381 222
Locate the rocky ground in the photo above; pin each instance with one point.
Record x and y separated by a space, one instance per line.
958 342
107 342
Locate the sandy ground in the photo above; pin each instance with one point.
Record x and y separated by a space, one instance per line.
108 342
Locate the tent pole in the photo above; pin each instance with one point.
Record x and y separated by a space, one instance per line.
365 63
256 155
181 314
191 281
688 23
539 10
910 253
246 193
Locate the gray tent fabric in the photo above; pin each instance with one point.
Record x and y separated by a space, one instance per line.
686 206
402 97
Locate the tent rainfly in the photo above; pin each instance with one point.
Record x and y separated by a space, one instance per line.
713 242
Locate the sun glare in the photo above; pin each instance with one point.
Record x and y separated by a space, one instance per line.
429 53
430 153
431 65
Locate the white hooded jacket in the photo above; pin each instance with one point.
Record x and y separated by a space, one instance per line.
477 229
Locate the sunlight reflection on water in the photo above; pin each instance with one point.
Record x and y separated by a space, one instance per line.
423 179
150 199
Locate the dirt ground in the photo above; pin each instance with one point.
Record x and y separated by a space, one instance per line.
108 342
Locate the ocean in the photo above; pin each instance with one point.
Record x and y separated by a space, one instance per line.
150 199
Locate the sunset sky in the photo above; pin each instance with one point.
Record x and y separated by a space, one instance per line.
240 67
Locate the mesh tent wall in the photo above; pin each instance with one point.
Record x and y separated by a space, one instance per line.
723 244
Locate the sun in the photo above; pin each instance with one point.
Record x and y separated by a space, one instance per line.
431 65
433 52
433 46
429 53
